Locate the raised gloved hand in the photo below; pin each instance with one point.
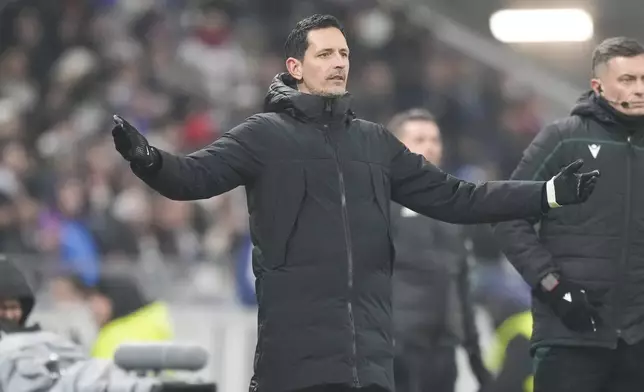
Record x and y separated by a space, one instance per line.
133 146
570 186
570 303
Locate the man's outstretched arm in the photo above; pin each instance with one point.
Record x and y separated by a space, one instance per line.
424 188
232 160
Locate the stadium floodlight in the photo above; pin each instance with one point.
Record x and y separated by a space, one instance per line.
541 25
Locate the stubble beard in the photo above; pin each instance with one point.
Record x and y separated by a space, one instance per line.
326 93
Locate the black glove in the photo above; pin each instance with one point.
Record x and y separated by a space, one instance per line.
570 186
133 146
481 373
570 303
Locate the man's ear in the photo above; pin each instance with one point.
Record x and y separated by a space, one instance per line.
596 85
294 68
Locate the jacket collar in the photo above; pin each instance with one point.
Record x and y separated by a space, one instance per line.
283 96
592 106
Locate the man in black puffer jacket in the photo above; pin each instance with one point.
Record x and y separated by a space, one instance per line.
319 182
586 264
433 308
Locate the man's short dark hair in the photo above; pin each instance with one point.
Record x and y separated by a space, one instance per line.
615 47
297 41
415 114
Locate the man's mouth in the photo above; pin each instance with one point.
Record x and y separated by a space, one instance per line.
337 77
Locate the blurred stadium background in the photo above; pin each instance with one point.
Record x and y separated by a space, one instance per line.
184 71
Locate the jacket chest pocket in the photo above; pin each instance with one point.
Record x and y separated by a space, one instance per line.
381 186
606 204
285 189
611 159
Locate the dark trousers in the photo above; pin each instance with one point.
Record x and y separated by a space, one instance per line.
563 369
425 370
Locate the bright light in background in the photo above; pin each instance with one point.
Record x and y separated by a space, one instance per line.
541 25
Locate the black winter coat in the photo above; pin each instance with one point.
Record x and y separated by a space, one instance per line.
431 289
319 182
598 244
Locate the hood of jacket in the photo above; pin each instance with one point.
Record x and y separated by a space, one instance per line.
284 97
14 285
124 294
592 106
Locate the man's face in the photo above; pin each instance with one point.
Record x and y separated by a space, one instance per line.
423 137
10 309
324 70
622 80
101 308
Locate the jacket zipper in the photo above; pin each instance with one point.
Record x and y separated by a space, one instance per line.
349 247
623 266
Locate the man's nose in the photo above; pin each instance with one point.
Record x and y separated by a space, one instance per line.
339 65
339 62
13 314
639 89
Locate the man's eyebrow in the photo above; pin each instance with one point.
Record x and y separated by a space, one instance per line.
346 50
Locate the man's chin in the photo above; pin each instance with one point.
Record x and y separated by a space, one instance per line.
637 111
334 93
9 325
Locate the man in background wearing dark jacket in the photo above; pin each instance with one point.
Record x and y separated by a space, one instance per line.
586 264
433 311
318 183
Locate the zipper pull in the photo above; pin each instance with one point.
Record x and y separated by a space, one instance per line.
328 107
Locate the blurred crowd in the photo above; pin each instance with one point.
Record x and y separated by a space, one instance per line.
183 72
